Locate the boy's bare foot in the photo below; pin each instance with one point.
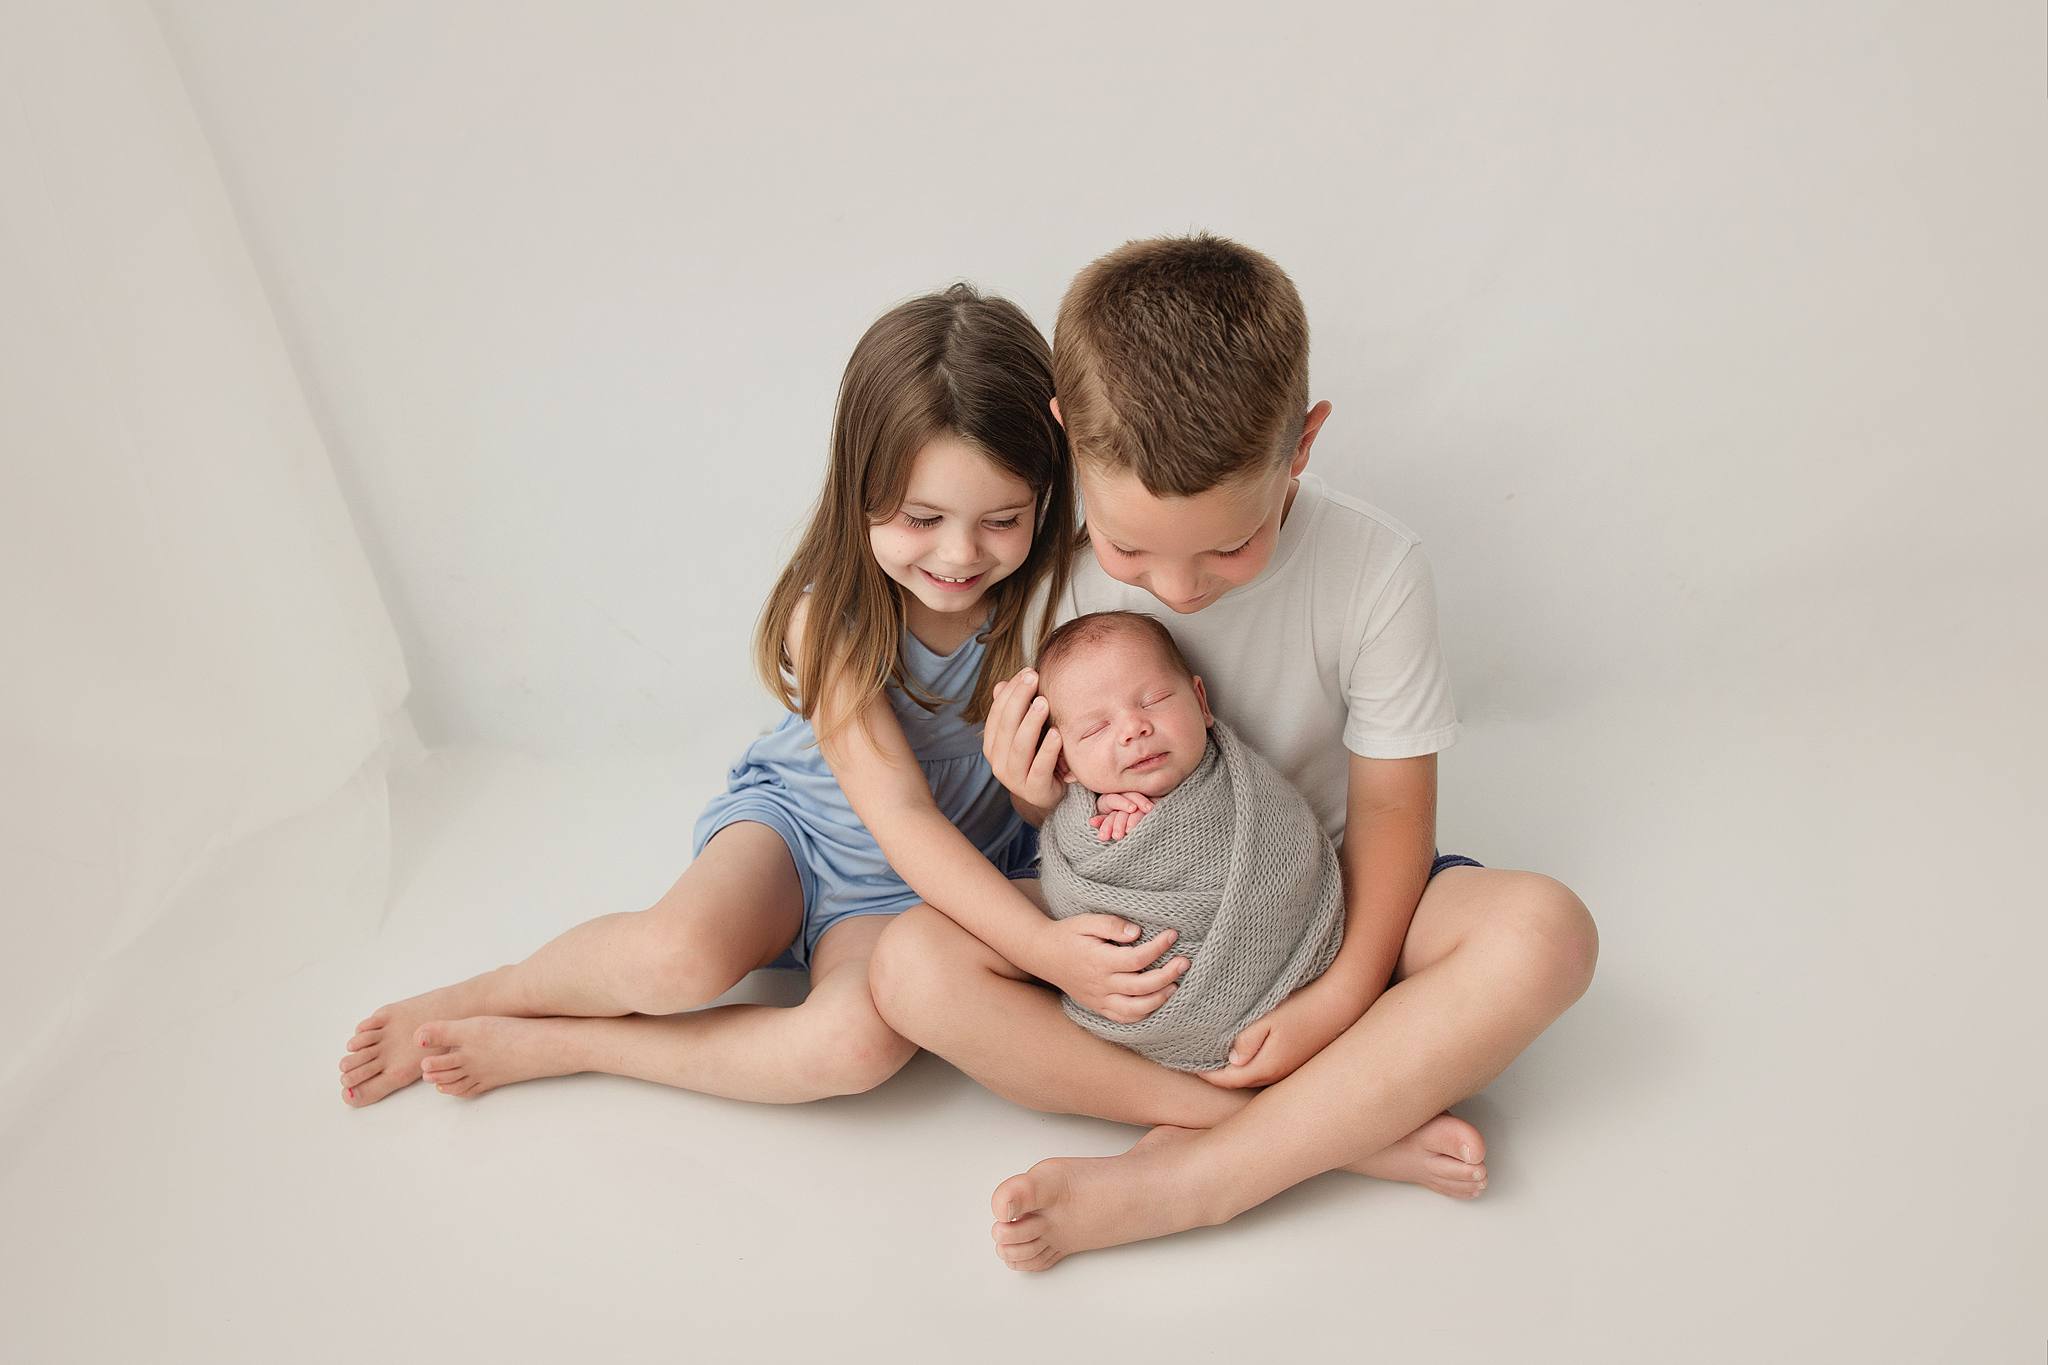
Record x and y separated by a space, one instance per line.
473 1055
1069 1204
1446 1155
385 1055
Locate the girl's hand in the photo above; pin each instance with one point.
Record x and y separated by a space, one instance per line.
1095 959
1026 764
1118 813
1271 1047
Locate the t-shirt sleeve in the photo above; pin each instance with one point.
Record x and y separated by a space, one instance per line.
1397 695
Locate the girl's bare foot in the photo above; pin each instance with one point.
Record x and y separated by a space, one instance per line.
1446 1155
470 1056
385 1054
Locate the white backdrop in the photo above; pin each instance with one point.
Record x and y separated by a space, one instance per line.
1702 344
1687 336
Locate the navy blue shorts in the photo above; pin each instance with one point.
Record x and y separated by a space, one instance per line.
1444 860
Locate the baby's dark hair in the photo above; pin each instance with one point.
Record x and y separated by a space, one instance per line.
1098 626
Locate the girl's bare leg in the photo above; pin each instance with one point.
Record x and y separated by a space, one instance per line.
944 988
1491 959
834 1043
735 908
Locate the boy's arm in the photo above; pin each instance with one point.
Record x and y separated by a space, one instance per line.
1389 843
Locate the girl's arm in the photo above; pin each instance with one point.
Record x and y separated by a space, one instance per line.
1090 957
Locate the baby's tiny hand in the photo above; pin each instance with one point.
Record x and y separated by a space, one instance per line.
1118 813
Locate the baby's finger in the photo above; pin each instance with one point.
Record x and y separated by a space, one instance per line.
1129 1009
1141 801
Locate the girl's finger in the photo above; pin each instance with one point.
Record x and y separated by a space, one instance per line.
1144 983
1107 927
1048 758
1139 954
1129 1009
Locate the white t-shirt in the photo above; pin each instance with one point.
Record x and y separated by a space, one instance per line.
1331 651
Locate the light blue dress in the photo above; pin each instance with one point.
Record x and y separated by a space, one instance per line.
782 781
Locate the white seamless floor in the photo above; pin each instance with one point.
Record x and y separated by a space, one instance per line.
1794 1119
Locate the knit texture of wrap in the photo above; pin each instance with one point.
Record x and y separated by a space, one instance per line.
1236 861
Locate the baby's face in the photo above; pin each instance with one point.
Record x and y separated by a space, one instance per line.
1129 721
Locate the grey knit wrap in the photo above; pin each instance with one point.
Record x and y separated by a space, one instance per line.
1237 862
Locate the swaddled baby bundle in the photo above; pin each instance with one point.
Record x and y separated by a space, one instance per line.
1235 860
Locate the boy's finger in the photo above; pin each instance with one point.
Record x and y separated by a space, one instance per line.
1247 1044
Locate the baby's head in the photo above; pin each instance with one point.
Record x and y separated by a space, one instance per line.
1132 716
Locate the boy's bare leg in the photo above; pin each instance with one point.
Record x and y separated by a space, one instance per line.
833 1043
948 991
735 908
1492 957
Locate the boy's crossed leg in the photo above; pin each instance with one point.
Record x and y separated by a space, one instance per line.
1491 958
953 994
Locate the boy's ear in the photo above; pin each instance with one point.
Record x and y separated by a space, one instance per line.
1202 696
1063 421
1317 415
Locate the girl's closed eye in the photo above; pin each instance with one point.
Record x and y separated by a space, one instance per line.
921 523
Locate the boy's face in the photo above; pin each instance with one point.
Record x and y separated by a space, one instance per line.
1129 721
1187 552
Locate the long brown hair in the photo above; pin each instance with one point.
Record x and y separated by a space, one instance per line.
954 362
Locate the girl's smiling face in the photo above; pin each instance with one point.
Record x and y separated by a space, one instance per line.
1129 720
964 526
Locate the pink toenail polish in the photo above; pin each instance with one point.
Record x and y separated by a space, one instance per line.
351 1092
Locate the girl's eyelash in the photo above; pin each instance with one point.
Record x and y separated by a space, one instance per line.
925 523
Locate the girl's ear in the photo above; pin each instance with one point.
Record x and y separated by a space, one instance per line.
1056 413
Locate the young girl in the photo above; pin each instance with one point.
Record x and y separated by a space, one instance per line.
946 505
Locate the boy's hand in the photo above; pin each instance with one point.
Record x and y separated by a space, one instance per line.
1118 813
1272 1046
1026 764
1097 960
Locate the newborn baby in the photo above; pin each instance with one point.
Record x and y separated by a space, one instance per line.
1172 822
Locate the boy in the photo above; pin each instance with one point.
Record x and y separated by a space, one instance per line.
1182 372
1229 856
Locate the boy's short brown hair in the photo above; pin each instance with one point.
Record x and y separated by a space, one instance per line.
1097 626
1183 360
